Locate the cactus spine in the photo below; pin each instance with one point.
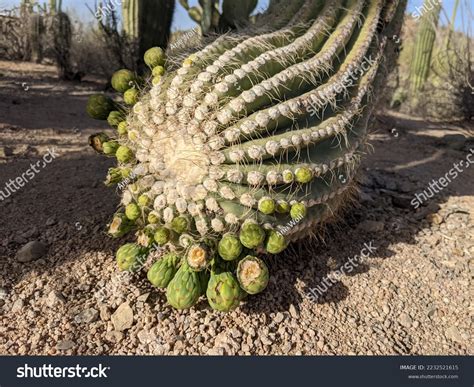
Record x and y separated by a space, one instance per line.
240 150
424 44
148 22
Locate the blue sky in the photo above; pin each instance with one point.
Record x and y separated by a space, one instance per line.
182 20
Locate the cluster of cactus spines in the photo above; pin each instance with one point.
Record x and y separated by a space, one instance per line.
148 22
424 45
249 145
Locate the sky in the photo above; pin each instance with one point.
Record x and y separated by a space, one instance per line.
183 22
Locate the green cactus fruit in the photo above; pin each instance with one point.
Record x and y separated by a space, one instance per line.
156 80
223 291
114 176
154 57
184 289
162 272
303 175
266 205
180 224
124 154
115 118
96 141
130 257
229 247
282 207
252 274
110 147
99 106
298 211
162 236
153 217
122 80
251 235
119 226
131 96
133 211
198 257
122 128
144 200
276 242
158 71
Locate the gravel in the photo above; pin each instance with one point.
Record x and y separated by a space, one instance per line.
412 296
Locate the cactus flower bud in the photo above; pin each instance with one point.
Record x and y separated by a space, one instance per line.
229 247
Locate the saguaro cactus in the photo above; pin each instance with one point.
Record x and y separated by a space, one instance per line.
424 44
249 145
148 22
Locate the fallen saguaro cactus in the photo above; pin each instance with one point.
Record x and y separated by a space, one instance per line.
249 135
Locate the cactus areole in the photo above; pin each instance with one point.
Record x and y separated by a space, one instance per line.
248 145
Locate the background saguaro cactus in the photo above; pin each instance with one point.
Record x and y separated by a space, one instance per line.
148 22
250 144
424 44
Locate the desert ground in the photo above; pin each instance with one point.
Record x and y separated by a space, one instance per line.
412 295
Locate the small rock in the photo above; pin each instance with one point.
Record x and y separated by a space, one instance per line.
114 336
434 219
50 221
293 311
402 201
3 293
278 317
87 316
452 333
143 297
235 333
54 298
371 226
31 252
65 345
405 320
104 312
216 352
123 317
17 305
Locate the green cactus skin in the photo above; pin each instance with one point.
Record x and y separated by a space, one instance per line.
130 97
99 106
424 45
223 292
184 289
162 272
133 211
130 257
110 147
252 274
240 148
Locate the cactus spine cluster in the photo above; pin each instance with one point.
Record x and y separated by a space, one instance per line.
249 145
424 45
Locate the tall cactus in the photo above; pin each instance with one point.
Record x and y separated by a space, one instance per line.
148 22
424 45
207 14
250 144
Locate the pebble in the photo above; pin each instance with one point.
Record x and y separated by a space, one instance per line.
114 336
122 319
17 305
278 317
65 345
371 226
87 316
55 298
293 311
452 333
405 320
32 251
